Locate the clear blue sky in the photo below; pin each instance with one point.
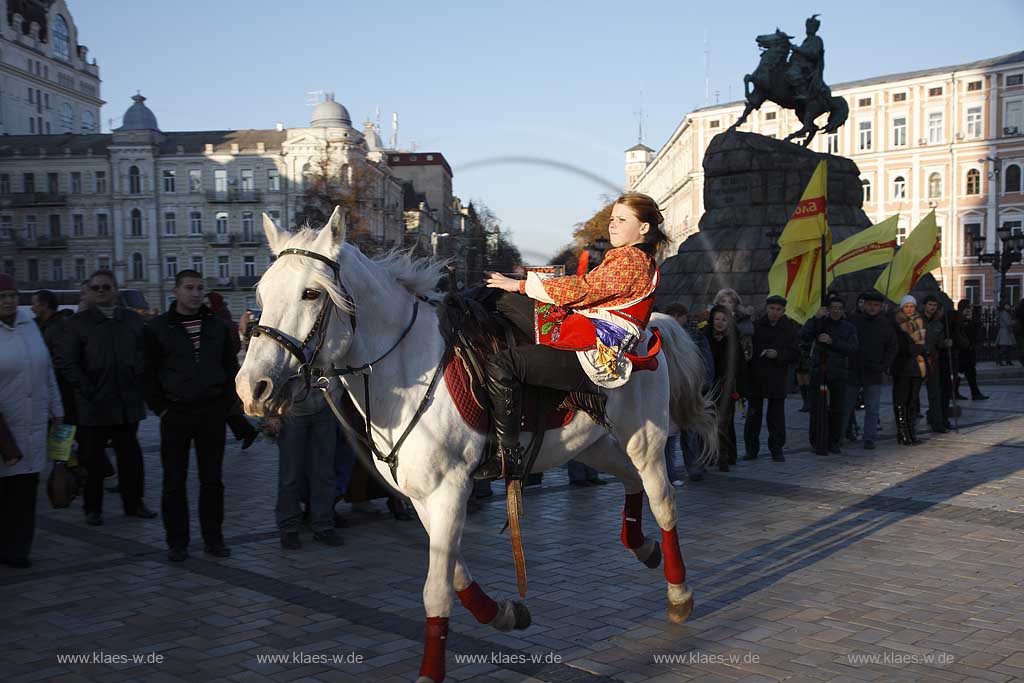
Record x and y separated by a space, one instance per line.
547 80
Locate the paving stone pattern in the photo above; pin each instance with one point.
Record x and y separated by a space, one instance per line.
899 564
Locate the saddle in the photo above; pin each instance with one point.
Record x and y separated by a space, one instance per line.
473 330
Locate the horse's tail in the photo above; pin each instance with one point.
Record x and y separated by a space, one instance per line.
690 409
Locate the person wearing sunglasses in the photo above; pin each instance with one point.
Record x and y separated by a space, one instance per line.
101 355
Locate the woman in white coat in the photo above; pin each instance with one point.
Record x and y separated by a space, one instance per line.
29 403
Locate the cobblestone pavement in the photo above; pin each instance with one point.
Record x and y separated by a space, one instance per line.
900 564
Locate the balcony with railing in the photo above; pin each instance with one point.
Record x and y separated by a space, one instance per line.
220 284
42 242
33 199
222 239
234 196
250 238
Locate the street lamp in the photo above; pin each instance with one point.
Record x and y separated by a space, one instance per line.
1001 260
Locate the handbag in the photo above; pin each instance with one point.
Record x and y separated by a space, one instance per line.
62 486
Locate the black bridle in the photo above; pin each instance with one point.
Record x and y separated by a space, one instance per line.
307 361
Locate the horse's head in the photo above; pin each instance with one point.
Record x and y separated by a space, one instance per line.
774 41
305 321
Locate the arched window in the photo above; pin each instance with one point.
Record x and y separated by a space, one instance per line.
1012 178
67 117
973 182
899 187
136 223
307 176
134 180
138 267
934 186
866 188
88 122
61 38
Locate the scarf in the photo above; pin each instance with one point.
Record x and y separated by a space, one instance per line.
914 327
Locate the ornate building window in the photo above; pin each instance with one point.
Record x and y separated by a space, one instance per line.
864 139
61 38
1012 182
865 185
934 186
899 131
136 223
899 187
134 180
138 267
973 182
88 122
67 117
974 124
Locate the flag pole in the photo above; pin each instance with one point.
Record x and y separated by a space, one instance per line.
888 283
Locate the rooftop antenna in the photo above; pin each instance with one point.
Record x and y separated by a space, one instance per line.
717 94
707 70
394 130
378 119
640 119
315 97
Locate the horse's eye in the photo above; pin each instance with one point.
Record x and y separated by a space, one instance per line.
310 294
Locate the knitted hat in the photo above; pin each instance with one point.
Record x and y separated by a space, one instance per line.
908 300
7 283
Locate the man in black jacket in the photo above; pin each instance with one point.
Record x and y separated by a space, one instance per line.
100 355
835 340
938 344
192 361
776 349
877 346
969 332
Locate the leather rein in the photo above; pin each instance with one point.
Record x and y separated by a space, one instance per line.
307 363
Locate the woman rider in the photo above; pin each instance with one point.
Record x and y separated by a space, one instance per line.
584 325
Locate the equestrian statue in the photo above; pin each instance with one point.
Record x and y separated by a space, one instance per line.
792 76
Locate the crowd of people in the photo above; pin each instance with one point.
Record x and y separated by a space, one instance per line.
839 361
102 367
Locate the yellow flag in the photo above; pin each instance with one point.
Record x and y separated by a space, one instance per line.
920 254
796 273
870 247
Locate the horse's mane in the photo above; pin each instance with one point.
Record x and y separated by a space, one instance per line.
418 275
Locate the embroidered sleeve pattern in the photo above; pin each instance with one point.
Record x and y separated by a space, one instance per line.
625 275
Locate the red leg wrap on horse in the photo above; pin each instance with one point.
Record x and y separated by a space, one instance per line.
479 603
632 516
434 637
675 570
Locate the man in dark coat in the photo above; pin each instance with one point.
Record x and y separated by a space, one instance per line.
967 339
100 355
877 346
192 361
834 342
937 344
776 348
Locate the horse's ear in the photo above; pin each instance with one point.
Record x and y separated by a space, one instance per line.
276 237
336 224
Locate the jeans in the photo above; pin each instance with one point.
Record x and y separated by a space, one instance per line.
690 446
306 456
776 425
178 431
671 447
872 403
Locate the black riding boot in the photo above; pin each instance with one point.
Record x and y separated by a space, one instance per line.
902 427
507 407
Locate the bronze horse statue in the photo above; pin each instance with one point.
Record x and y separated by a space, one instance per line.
770 83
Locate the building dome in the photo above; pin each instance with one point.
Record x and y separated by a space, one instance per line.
330 114
139 116
373 141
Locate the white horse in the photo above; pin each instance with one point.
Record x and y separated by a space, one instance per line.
349 310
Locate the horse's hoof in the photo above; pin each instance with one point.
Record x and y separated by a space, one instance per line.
680 605
522 616
653 561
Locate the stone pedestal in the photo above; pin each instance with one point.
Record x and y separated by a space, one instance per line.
752 184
